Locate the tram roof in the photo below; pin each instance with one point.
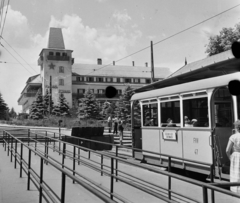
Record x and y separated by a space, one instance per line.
213 66
188 87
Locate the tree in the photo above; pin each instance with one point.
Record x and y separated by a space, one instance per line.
89 106
37 108
223 41
3 109
62 108
46 100
12 113
123 108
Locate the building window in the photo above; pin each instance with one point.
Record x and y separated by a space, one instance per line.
108 79
99 79
64 54
101 91
119 91
58 54
79 79
81 91
90 79
148 81
50 53
118 80
61 82
127 80
136 80
114 79
61 69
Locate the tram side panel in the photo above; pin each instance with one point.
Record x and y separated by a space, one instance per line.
151 141
197 146
171 143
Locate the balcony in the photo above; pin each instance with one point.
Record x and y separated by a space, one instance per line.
58 58
98 96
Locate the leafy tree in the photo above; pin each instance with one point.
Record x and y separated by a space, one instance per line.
3 109
123 108
223 41
46 99
89 106
62 108
37 108
12 113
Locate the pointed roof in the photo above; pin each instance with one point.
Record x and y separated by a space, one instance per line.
55 40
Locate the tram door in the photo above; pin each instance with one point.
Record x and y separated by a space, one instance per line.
222 120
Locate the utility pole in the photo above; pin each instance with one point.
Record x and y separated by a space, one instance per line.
50 95
152 63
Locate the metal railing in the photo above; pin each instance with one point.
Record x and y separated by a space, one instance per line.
52 141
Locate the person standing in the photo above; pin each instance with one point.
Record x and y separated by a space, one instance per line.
110 124
120 128
115 125
234 146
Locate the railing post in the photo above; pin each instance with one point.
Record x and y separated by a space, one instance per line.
116 168
54 142
205 195
169 178
59 137
28 136
5 141
15 163
11 148
78 152
8 139
74 161
212 180
101 165
63 155
47 149
63 187
29 167
3 138
112 182
41 180
21 155
35 143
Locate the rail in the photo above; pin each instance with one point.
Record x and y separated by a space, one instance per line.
48 142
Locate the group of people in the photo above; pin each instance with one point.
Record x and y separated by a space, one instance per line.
117 124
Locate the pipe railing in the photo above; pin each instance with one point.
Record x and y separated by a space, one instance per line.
117 177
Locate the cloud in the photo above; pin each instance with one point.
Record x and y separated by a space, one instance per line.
122 16
101 1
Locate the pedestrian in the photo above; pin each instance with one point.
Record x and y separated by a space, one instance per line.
115 130
234 146
120 128
110 124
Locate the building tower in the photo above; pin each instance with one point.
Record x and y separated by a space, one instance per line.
56 61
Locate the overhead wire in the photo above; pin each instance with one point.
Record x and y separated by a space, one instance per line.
5 18
171 36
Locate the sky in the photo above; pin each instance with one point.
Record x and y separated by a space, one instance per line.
107 29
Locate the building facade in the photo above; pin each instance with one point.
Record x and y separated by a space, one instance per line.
58 71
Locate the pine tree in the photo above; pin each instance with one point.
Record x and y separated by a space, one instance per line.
37 108
105 107
3 109
123 109
12 113
89 106
46 99
62 108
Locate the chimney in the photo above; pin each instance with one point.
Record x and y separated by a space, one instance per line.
133 63
114 63
99 61
146 64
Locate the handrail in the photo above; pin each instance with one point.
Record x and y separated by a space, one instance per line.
203 185
143 166
88 187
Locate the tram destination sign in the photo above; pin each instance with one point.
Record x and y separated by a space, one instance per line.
169 135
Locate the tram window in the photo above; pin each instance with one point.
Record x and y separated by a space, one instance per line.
195 112
170 110
150 115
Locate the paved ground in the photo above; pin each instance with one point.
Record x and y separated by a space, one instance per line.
13 189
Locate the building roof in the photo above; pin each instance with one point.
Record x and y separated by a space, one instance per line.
213 66
203 63
119 71
55 39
